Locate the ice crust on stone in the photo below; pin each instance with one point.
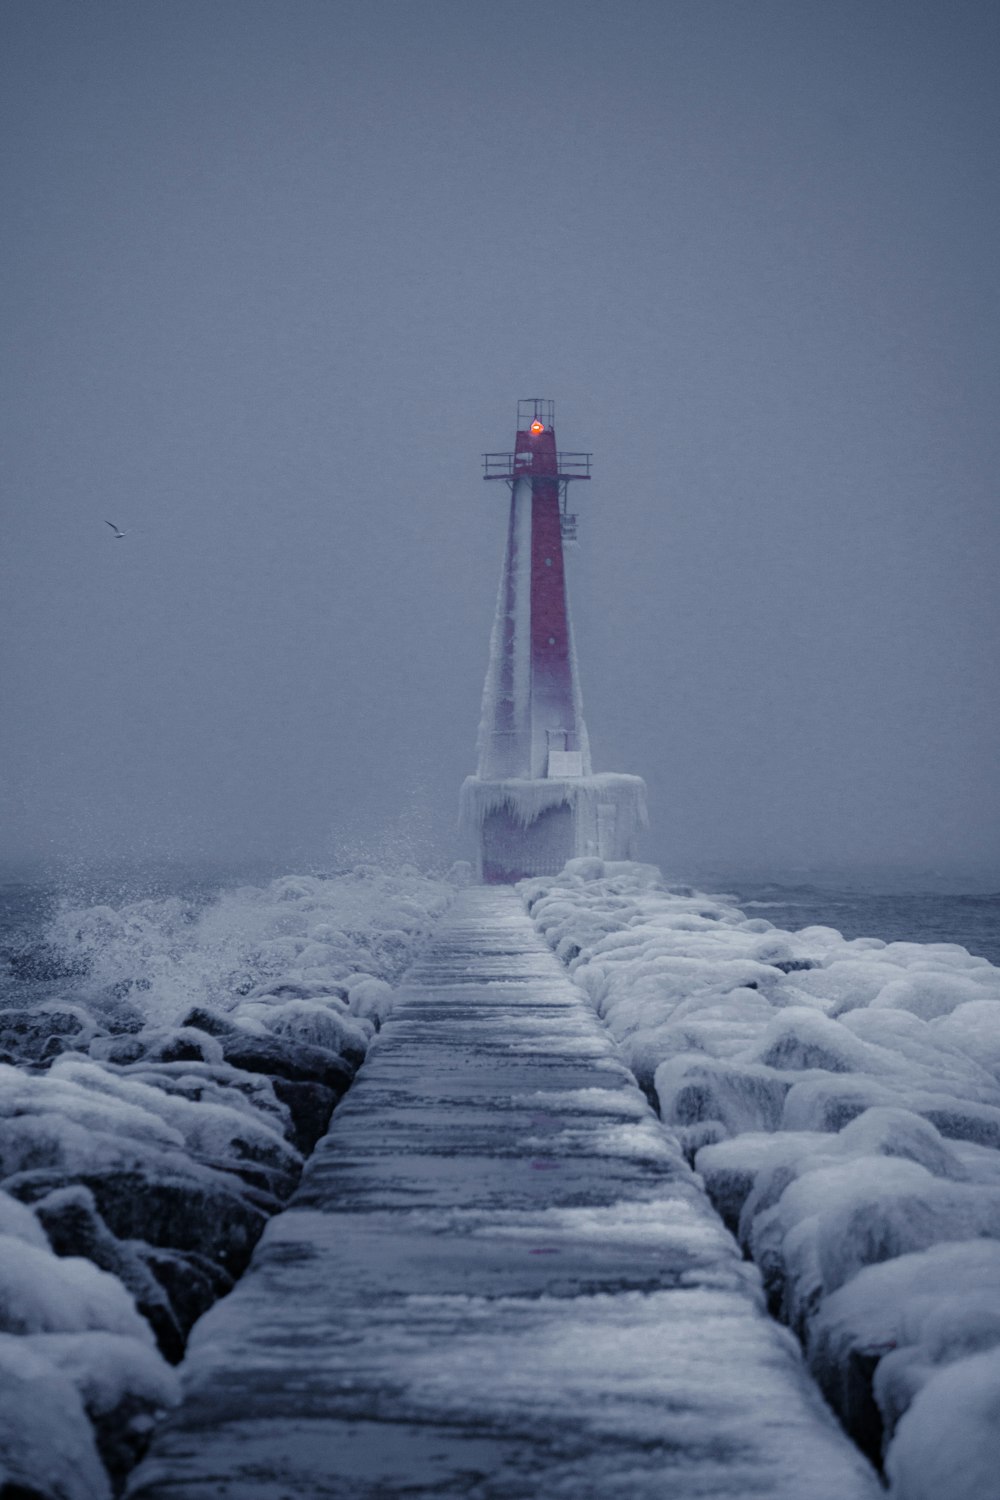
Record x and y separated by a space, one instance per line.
151 1123
43 1293
948 1442
48 1445
841 1100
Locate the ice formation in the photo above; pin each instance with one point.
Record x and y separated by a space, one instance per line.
150 1123
608 808
841 1100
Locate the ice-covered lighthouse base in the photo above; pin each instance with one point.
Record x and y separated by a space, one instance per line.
523 827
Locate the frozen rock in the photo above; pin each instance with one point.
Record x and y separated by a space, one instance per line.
43 1293
841 1097
181 1044
948 1443
45 1030
310 1106
53 1120
204 1018
125 1388
899 1132
74 1227
217 1083
934 993
320 1026
191 1281
117 1050
950 1326
800 1039
828 1103
586 868
19 1222
47 1447
731 1168
281 1058
861 1211
205 1126
692 1088
901 1319
166 1200
972 1028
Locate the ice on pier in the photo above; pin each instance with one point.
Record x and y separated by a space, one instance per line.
841 1100
526 800
152 1121
499 1276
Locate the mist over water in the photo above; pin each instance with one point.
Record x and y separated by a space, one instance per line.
277 275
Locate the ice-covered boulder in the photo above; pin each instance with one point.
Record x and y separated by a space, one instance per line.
731 1169
180 1044
841 1095
20 1222
834 1220
31 1035
47 1445
948 1443
191 1281
166 1200
279 1057
929 993
124 1386
322 1026
693 1088
70 1219
205 1018
218 1083
198 1060
206 1126
370 999
900 1320
972 1029
43 1293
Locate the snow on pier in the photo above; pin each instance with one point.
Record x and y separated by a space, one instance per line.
497 1278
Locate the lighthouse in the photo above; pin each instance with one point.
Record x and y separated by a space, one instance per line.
535 801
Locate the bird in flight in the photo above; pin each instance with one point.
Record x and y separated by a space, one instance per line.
114 528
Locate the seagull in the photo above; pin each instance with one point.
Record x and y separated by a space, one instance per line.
114 528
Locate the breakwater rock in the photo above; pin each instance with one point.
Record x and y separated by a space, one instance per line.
151 1122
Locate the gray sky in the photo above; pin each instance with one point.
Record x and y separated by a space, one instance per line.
277 273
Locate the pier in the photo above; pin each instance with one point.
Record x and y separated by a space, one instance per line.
498 1278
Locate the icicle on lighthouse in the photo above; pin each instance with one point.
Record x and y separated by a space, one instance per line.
535 802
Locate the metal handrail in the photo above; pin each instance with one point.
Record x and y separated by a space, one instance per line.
506 465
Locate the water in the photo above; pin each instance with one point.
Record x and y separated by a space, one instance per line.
35 964
166 908
971 919
175 935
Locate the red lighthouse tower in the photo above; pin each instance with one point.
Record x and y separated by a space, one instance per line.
534 802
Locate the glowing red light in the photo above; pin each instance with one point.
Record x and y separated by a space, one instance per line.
537 427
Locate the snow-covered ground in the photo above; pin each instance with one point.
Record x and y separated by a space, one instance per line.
841 1100
152 1120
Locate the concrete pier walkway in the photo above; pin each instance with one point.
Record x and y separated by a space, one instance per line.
497 1279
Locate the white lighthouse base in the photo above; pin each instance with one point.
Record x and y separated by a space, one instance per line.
523 828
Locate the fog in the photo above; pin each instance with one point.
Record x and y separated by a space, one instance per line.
276 274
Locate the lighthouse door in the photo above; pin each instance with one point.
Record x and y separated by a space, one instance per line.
511 851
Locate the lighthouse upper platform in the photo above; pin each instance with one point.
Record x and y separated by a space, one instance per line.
535 455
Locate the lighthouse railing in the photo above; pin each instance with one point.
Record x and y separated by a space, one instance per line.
507 465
